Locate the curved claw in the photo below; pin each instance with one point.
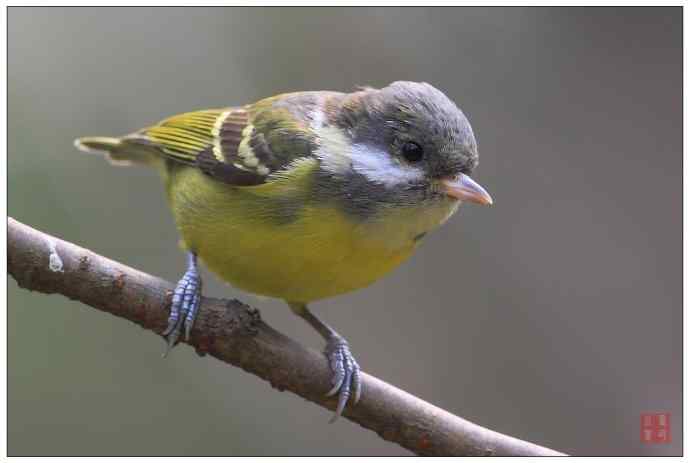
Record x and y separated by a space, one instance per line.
342 397
170 343
346 375
338 374
171 325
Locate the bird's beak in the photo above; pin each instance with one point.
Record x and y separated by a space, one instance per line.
464 188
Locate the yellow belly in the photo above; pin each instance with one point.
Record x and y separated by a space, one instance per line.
298 254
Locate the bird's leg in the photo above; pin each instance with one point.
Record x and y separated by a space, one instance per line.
185 304
346 372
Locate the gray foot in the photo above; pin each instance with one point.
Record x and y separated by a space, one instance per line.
185 305
347 379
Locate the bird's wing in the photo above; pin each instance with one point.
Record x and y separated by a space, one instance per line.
240 146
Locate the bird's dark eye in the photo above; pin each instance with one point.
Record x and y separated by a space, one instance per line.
412 152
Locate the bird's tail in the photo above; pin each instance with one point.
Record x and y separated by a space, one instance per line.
119 151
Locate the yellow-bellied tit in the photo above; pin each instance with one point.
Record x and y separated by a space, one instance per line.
307 195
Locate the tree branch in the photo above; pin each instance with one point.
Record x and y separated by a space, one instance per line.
234 333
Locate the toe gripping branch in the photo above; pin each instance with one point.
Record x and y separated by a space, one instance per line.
347 380
185 304
347 377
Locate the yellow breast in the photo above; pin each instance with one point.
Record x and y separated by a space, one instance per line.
270 243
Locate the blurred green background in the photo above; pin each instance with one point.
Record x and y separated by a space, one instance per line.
554 316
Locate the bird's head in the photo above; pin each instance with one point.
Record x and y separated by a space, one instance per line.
405 144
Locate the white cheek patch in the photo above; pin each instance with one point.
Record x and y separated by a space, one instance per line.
380 167
339 157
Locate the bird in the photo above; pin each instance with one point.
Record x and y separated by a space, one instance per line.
306 195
